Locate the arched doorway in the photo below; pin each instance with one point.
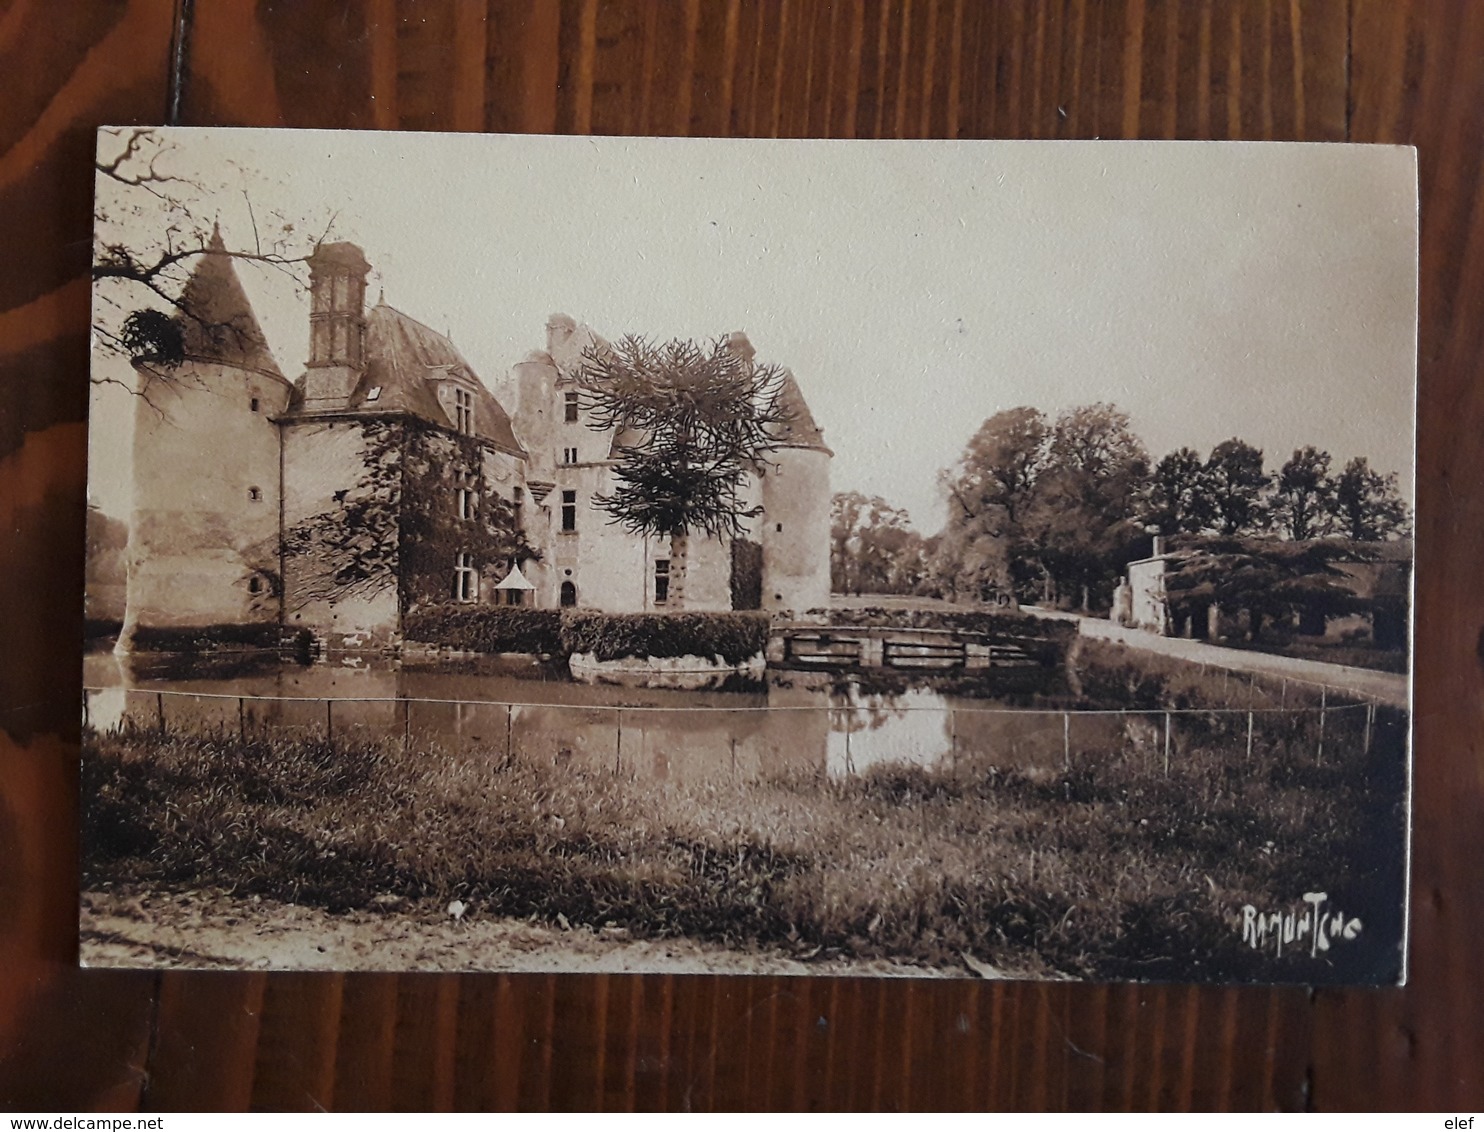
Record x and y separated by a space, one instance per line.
569 594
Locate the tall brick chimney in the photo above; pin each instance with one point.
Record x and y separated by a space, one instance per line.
337 325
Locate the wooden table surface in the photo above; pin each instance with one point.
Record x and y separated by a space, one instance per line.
1402 71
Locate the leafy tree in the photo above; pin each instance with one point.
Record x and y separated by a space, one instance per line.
1367 505
1178 500
1235 482
699 420
991 489
1082 521
872 546
994 478
1303 497
964 560
143 312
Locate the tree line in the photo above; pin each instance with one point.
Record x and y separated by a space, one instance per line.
1052 509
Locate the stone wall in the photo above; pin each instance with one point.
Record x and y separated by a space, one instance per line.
203 545
342 489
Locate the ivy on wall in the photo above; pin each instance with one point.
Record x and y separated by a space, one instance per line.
438 463
351 549
397 522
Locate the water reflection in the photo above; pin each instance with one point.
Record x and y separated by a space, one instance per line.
799 723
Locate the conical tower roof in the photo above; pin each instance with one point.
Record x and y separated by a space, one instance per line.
801 431
218 320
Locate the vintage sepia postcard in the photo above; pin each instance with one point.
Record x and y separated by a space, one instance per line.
955 559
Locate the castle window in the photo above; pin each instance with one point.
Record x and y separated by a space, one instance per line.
464 500
255 585
465 578
255 494
253 404
463 410
569 594
570 407
779 527
569 455
661 581
569 510
374 395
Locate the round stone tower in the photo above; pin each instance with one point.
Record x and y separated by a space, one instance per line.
796 512
203 537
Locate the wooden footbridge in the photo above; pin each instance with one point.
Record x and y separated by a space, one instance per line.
803 646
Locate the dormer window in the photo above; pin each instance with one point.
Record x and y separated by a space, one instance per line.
570 406
463 411
569 455
374 395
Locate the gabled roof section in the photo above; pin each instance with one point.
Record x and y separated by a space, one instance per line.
567 340
405 362
801 431
218 320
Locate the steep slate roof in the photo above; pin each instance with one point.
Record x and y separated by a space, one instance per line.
801 432
404 358
221 326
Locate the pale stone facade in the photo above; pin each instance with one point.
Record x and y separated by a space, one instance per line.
389 479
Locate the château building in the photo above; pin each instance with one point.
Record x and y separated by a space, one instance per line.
388 478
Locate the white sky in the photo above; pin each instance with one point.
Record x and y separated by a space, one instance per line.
915 288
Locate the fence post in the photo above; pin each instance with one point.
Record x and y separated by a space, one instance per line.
509 755
618 745
1167 744
1323 711
1252 691
406 724
160 711
241 719
953 742
1283 699
1370 718
329 721
849 766
1066 739
1249 734
734 758
1225 680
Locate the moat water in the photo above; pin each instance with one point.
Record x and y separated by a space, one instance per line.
794 722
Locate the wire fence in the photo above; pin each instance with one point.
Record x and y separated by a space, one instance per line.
847 737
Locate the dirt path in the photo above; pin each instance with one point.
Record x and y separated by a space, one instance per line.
212 930
1386 687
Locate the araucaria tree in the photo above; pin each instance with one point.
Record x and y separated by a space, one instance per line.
692 423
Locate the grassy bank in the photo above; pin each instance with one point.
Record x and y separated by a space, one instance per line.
1110 868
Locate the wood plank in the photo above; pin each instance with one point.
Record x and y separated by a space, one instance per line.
1371 70
68 1039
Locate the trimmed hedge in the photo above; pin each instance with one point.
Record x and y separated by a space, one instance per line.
497 628
734 637
204 638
